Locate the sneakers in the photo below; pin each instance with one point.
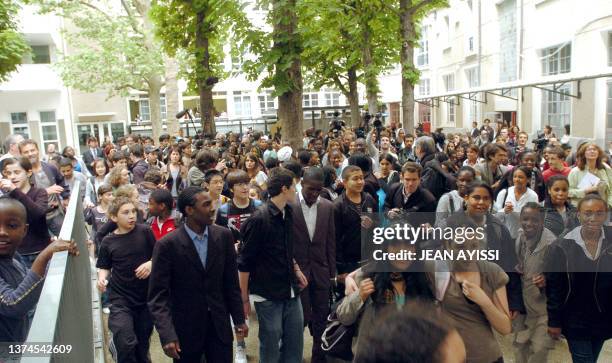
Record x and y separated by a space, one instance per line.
106 310
241 356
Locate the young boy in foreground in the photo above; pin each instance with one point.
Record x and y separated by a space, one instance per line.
20 288
127 252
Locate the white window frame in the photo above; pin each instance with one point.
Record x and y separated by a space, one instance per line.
422 52
609 104
144 103
332 97
609 49
267 103
310 99
52 123
472 80
17 127
424 87
556 60
557 108
449 85
242 99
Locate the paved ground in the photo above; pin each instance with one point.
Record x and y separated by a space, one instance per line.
559 355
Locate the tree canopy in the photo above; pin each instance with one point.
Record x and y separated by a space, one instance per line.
12 45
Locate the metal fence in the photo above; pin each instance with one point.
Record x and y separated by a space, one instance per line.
68 312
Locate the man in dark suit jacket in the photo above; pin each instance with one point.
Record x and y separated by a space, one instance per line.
409 200
194 285
315 252
92 154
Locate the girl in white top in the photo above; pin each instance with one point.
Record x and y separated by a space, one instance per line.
253 169
510 201
100 169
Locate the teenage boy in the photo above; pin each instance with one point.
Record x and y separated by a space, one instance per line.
350 217
71 176
232 215
127 252
160 210
236 211
20 287
268 270
213 181
556 162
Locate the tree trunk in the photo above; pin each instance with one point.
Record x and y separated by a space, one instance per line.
370 80
409 72
155 85
353 97
290 114
205 81
172 95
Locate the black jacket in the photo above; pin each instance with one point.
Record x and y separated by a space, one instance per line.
267 252
420 207
186 299
579 290
434 178
554 222
347 222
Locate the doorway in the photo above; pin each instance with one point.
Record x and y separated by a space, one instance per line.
101 130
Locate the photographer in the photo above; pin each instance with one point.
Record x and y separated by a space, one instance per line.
336 124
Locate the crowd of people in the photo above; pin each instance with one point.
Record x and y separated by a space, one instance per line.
189 234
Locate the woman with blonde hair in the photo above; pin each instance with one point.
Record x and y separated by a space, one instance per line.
118 176
590 175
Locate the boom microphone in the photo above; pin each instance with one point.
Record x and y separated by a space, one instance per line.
182 113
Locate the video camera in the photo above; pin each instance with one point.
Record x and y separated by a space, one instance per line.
540 142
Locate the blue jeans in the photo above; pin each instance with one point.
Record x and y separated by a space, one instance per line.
281 330
585 351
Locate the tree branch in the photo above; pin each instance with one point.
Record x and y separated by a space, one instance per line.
340 86
91 6
131 17
418 6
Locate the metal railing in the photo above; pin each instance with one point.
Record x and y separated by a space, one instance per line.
68 311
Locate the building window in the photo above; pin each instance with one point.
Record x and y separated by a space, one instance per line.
144 108
556 60
163 108
40 54
49 129
242 103
609 106
266 102
556 110
424 113
610 49
423 51
332 98
424 87
449 85
19 124
310 99
471 75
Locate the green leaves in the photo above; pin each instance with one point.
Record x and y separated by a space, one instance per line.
12 45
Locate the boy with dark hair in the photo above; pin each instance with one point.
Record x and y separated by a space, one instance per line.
348 221
20 288
267 269
127 252
232 215
161 204
71 175
556 162
213 182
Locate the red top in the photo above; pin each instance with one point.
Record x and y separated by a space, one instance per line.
550 172
167 227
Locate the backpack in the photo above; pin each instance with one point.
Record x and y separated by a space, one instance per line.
337 339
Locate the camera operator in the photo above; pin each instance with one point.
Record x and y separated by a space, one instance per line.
336 123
